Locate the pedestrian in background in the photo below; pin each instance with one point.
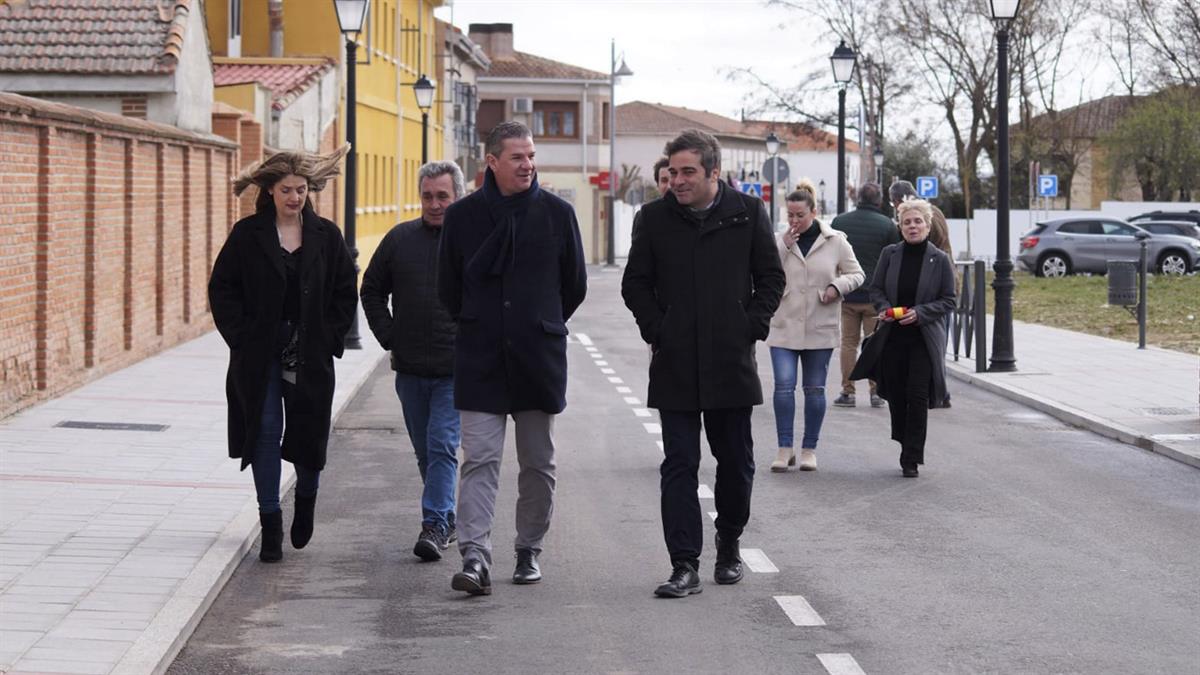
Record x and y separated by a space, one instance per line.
821 269
868 230
419 333
906 352
662 176
702 280
939 236
282 293
511 272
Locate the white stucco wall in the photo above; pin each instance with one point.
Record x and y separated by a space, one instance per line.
193 99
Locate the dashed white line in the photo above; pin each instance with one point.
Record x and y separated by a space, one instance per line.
616 380
624 390
583 339
840 664
712 514
758 561
607 371
652 427
642 412
633 400
660 445
602 363
596 355
590 349
799 611
704 492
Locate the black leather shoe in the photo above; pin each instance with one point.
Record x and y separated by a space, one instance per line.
527 571
683 582
910 471
728 569
473 579
272 537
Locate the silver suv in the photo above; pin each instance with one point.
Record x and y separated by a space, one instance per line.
1057 248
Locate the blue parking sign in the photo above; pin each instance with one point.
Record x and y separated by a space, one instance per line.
1048 185
927 187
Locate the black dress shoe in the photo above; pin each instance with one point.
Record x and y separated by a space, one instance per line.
683 582
473 579
910 471
527 571
728 569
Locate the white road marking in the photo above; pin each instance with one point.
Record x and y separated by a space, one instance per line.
712 514
602 363
660 445
840 664
652 427
799 611
590 349
633 400
607 371
704 492
616 380
642 412
624 390
596 355
583 339
758 561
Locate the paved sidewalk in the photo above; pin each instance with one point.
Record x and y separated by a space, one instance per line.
1148 398
113 543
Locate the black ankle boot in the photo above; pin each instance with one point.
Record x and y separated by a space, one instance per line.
302 523
728 569
272 537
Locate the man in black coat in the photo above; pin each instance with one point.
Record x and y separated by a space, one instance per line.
702 280
419 333
868 230
511 272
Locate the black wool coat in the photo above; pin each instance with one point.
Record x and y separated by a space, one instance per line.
418 331
246 292
511 272
702 293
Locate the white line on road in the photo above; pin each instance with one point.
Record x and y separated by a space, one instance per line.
624 390
660 445
652 427
583 339
704 492
596 355
642 412
607 371
712 514
616 380
602 363
633 400
758 561
840 664
590 349
799 611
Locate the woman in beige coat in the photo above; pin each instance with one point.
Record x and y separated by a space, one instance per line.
820 268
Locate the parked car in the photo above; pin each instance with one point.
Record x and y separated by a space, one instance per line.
1192 216
1065 246
1181 227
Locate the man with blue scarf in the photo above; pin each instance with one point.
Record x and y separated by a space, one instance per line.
511 272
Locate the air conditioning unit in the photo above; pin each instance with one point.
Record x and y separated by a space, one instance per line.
523 104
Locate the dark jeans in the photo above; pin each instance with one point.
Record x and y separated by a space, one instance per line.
433 427
732 445
907 371
266 464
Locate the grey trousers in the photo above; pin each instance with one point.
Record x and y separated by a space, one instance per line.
479 478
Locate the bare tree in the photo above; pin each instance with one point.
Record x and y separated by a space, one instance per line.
1119 34
1172 32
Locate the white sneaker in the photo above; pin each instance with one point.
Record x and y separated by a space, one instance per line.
808 460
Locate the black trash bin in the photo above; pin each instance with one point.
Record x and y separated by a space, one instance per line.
1122 283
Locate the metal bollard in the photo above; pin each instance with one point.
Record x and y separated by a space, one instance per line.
1141 309
980 318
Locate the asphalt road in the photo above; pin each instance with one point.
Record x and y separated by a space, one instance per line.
1026 546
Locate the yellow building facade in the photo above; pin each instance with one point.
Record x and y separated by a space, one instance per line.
395 48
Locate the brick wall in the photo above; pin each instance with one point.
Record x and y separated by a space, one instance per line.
111 225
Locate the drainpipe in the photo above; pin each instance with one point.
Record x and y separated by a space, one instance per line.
275 18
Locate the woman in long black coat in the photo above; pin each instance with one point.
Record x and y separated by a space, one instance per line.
283 295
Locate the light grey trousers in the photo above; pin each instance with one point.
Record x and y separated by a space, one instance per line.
479 479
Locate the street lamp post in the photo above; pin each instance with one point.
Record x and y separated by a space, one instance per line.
351 15
423 89
773 150
1003 358
878 156
613 74
843 60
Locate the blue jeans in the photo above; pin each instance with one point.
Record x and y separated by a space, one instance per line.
814 365
434 427
266 464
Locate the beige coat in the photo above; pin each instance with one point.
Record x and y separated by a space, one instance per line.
802 321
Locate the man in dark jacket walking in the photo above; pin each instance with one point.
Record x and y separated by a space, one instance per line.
702 280
511 272
868 230
419 333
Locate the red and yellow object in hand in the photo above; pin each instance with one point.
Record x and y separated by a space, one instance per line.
897 312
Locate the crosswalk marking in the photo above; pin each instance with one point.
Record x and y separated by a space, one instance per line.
799 611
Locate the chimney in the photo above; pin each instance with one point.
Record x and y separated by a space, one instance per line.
275 21
496 39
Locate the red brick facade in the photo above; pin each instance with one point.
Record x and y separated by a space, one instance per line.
111 227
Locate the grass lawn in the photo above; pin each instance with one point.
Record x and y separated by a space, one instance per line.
1080 303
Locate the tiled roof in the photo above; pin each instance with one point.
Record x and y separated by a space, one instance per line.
1086 120
92 36
533 67
642 117
287 81
799 136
